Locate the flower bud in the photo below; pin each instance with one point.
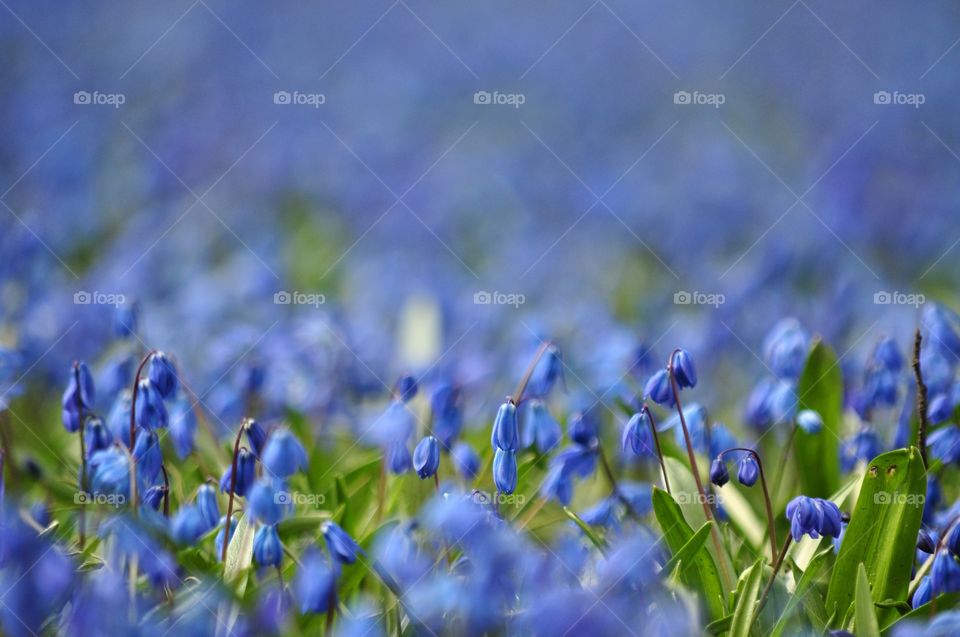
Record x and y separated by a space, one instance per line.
267 548
747 470
505 434
684 370
466 460
208 505
163 375
283 454
658 389
151 413
269 501
342 547
505 471
246 466
810 421
426 457
718 472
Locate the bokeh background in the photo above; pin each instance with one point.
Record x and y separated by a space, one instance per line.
595 201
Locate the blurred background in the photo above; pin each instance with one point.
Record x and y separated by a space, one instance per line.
321 197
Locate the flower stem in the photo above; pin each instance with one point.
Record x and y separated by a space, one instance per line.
773 576
921 398
233 485
656 442
82 522
771 528
708 513
614 486
166 491
522 385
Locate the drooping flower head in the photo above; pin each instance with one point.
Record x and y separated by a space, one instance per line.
246 471
505 433
283 454
426 457
539 427
658 389
684 370
748 470
78 397
406 388
505 471
466 460
315 585
637 436
814 517
718 472
151 413
785 348
343 548
163 374
267 548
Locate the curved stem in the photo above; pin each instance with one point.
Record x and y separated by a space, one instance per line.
166 491
522 385
921 399
233 485
708 513
133 398
656 442
614 486
771 528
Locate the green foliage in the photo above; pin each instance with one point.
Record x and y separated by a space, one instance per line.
748 591
821 389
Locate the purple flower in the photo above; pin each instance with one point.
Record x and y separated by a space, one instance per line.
426 457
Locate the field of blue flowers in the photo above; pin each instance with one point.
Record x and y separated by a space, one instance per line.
406 318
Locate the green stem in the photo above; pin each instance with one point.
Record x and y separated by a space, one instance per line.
233 486
773 576
771 527
921 398
656 442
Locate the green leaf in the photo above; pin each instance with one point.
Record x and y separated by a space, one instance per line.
240 550
743 614
882 533
699 572
807 580
821 389
589 532
690 549
866 618
926 612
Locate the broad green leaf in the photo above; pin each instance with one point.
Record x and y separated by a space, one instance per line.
239 559
699 572
817 455
719 626
865 617
743 517
747 601
882 533
804 586
687 552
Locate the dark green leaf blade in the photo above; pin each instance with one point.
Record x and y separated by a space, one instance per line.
821 389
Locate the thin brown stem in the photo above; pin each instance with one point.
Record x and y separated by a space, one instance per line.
656 442
614 486
522 385
233 486
773 576
708 513
771 527
921 398
82 522
133 398
166 491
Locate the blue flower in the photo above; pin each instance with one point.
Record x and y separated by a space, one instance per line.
153 497
927 541
188 525
445 404
603 513
207 504
269 501
118 420
342 547
151 413
637 436
426 457
466 460
246 468
162 375
747 470
316 583
785 348
505 433
125 320
96 436
183 426
256 436
940 408
77 398
720 439
547 373
406 388
398 458
658 389
923 593
888 355
573 461
863 446
810 421
109 472
149 458
684 370
945 574
718 472
813 517
941 324
505 471
267 548
583 428
284 455
539 427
